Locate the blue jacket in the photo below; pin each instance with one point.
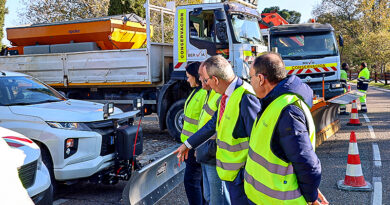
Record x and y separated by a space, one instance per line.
249 107
291 140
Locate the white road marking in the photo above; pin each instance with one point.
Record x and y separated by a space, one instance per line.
377 155
370 128
60 201
376 181
377 195
381 89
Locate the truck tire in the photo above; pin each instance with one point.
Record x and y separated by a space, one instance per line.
46 159
175 119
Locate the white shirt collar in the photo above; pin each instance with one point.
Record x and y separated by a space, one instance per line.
230 88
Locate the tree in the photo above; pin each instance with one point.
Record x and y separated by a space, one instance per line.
3 11
292 17
136 6
126 6
365 25
48 11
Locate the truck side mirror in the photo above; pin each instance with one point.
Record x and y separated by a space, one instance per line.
341 40
221 31
197 11
220 15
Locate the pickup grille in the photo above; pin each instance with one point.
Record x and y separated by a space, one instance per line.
106 129
27 173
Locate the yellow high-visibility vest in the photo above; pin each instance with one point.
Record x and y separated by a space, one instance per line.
269 179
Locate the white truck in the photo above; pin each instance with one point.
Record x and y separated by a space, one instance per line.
22 168
310 51
78 139
155 73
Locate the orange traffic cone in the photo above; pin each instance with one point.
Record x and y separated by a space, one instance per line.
354 120
354 179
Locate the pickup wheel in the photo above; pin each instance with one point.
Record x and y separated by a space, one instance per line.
175 119
46 159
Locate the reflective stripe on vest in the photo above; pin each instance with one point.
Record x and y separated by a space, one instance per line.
192 110
191 121
269 179
209 108
231 153
233 148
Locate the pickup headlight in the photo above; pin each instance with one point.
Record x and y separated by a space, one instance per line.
69 126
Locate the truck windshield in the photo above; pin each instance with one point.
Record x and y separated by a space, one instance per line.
246 29
305 46
20 90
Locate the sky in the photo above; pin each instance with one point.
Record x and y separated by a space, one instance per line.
305 7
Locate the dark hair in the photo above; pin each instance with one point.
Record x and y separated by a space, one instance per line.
271 65
193 69
364 64
345 66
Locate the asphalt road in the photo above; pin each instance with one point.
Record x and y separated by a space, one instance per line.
332 153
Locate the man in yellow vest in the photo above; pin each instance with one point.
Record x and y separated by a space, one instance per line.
282 167
233 123
362 85
344 79
205 153
192 111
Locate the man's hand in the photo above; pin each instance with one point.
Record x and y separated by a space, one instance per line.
182 153
320 200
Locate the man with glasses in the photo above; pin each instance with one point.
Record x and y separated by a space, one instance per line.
282 167
233 123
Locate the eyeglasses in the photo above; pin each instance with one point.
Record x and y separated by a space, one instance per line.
256 74
251 76
206 80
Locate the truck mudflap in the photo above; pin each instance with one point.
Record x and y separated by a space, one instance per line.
325 115
155 180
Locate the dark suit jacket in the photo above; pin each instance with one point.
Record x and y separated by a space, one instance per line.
249 107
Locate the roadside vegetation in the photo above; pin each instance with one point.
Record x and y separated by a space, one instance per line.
365 27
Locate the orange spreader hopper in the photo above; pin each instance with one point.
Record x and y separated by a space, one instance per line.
108 33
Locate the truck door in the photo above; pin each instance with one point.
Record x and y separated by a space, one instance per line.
204 34
207 33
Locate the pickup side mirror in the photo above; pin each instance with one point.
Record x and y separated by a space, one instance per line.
341 40
220 15
221 31
62 93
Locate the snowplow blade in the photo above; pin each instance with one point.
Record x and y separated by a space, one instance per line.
325 115
155 180
346 98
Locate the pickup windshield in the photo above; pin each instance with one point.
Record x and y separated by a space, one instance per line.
20 90
246 29
305 46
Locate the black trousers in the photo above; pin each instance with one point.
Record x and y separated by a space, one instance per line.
193 180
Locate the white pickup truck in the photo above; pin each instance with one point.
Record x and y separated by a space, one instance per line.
22 168
78 139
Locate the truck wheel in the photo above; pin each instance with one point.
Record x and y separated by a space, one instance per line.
175 119
46 159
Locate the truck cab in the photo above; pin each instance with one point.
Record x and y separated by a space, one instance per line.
310 51
229 29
